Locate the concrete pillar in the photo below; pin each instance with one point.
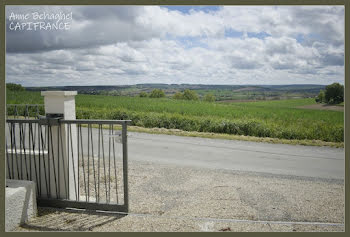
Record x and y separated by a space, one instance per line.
60 102
62 157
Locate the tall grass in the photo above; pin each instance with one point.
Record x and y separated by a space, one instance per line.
279 119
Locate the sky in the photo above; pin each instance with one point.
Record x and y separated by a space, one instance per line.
124 45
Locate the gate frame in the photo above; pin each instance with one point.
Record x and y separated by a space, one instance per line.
66 203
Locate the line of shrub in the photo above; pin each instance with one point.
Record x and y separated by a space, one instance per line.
256 128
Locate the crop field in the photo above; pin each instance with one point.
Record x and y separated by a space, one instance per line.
276 118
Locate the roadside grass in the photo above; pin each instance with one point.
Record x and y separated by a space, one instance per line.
234 137
177 132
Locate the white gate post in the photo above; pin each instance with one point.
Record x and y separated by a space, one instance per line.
64 155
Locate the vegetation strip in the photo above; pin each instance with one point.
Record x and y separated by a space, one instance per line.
271 121
235 137
177 132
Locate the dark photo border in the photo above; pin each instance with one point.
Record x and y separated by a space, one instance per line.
345 3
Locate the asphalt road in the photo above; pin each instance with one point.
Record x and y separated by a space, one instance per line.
296 160
207 181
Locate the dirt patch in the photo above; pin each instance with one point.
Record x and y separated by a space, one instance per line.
323 107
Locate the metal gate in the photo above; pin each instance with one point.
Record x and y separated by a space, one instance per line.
74 163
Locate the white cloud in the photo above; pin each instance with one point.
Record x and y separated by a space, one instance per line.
128 45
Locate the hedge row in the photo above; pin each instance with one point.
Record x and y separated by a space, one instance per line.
200 124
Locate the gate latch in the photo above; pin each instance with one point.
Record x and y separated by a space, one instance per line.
50 119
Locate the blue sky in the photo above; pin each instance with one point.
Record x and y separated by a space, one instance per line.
116 45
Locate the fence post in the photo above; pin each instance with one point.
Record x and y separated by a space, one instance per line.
125 165
62 155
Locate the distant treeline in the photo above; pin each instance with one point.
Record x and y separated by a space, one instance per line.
220 92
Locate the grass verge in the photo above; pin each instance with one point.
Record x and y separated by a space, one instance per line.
178 132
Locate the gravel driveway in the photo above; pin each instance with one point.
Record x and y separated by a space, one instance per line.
166 197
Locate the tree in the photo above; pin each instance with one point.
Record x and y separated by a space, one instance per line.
14 87
190 95
320 98
209 97
334 93
178 96
143 94
157 93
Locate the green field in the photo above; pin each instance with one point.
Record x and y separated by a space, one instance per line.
277 118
